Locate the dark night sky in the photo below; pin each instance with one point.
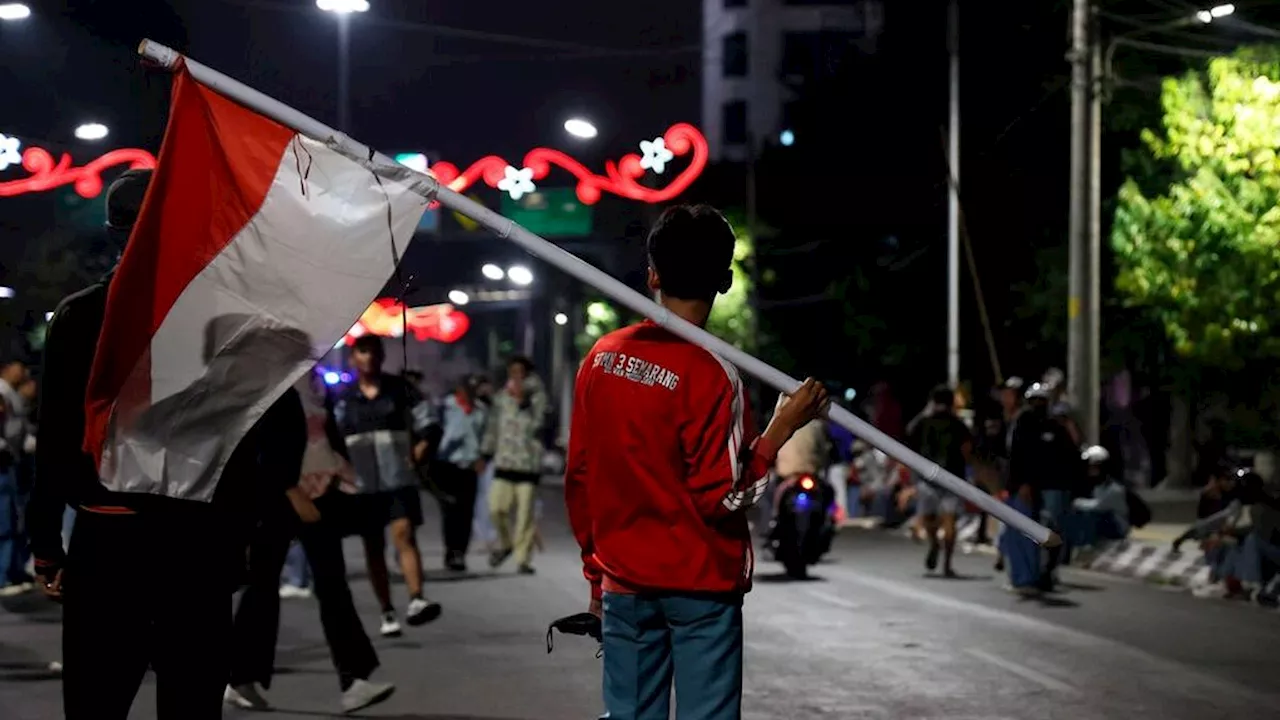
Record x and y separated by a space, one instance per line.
411 88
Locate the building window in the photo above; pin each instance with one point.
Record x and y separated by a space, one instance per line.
734 122
735 3
734 55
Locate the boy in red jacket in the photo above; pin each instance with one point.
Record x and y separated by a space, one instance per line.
663 463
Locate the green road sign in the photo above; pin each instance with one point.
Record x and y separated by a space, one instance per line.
551 212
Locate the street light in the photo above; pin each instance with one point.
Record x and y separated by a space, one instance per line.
6 292
91 131
343 7
787 138
1215 12
561 319
493 272
14 11
457 297
520 275
580 128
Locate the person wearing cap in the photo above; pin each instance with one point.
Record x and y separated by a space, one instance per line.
1104 515
147 579
1044 465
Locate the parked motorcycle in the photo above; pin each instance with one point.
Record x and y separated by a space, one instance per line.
804 524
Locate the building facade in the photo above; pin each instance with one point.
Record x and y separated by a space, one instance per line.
756 52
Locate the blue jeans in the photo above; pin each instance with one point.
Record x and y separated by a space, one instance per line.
482 526
296 570
651 640
13 538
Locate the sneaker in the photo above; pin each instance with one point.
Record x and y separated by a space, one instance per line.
455 562
390 625
13 590
245 697
55 666
526 569
497 557
1211 591
423 611
363 694
292 592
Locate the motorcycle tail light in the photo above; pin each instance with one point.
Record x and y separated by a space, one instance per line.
806 483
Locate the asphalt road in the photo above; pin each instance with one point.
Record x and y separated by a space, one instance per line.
869 637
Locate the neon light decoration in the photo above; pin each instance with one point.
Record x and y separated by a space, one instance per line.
46 174
620 177
442 323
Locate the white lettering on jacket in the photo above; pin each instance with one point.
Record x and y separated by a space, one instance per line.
635 369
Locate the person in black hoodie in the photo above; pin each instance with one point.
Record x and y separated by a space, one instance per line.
1044 466
147 580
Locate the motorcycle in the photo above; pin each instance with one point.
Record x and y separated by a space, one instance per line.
804 524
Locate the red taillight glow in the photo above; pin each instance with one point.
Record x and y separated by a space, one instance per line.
806 483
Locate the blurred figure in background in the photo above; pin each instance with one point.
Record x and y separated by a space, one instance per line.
941 437
513 445
16 448
457 468
1104 515
482 526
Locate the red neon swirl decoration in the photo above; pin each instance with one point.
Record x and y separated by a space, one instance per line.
45 174
620 178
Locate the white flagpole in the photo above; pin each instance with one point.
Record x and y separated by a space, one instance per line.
619 292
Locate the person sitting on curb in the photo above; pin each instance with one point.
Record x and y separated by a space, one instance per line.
1105 514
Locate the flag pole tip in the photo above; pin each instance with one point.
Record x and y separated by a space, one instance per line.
1054 540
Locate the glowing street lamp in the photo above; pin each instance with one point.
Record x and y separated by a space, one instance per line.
520 275
580 128
6 292
458 297
91 131
343 7
493 272
1215 12
561 319
14 11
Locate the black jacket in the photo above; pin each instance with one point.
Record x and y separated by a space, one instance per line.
267 461
1042 454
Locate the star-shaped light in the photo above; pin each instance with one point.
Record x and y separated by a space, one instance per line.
655 155
517 183
9 154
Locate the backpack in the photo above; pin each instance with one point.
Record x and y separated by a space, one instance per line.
1139 511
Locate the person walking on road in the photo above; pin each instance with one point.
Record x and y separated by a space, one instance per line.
456 468
513 444
315 513
942 437
382 421
15 465
663 465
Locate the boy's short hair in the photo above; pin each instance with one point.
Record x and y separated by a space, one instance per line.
371 344
523 362
943 395
691 250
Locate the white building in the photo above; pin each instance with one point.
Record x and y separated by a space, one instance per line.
753 49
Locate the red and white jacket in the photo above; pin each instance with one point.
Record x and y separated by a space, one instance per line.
663 463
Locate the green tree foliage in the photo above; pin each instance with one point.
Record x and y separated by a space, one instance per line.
1202 252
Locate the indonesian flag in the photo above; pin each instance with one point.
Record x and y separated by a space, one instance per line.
256 249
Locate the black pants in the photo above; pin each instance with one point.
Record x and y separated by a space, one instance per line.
257 620
146 591
460 483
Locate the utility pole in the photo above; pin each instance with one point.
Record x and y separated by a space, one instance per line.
953 199
1083 226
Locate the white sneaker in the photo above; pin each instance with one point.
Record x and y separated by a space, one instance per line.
363 693
290 592
245 697
1211 591
390 626
422 611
